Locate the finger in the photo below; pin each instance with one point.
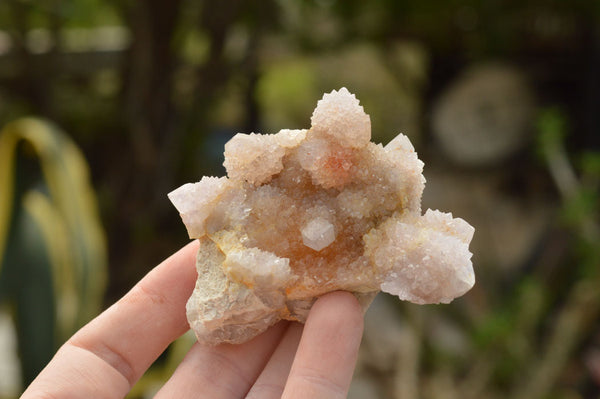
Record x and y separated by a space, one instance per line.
328 349
224 371
110 353
271 382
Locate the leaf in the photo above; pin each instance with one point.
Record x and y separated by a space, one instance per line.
27 281
51 239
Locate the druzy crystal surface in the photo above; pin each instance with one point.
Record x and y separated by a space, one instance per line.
305 212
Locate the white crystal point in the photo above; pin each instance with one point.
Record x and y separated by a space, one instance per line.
196 201
408 169
401 148
254 158
290 138
340 116
307 212
318 234
427 259
445 222
253 266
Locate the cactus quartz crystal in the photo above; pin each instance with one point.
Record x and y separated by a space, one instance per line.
305 212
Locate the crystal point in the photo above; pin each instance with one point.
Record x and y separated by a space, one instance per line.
318 234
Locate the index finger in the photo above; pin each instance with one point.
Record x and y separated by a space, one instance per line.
108 355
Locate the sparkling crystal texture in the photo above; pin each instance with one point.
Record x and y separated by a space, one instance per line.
306 212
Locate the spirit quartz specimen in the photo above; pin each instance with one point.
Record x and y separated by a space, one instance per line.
305 212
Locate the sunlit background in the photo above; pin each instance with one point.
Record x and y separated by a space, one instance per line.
106 106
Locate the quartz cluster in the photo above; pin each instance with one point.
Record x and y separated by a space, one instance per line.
305 212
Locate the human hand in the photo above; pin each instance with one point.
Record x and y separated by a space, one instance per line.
106 357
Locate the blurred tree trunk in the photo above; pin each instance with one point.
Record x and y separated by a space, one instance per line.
31 82
216 19
150 78
163 141
149 119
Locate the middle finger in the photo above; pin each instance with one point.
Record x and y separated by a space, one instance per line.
224 371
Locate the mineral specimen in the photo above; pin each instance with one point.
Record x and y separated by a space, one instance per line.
306 212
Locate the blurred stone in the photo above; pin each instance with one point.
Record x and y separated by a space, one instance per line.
592 363
505 236
441 385
383 334
363 388
445 336
485 116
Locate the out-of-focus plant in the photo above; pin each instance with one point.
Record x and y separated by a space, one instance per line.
580 194
154 378
574 321
545 325
52 247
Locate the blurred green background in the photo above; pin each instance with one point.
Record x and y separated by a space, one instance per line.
500 98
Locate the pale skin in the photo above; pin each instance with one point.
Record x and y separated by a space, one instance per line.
107 356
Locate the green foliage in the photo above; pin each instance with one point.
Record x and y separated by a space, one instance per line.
579 208
41 14
552 130
590 166
162 369
52 248
288 91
